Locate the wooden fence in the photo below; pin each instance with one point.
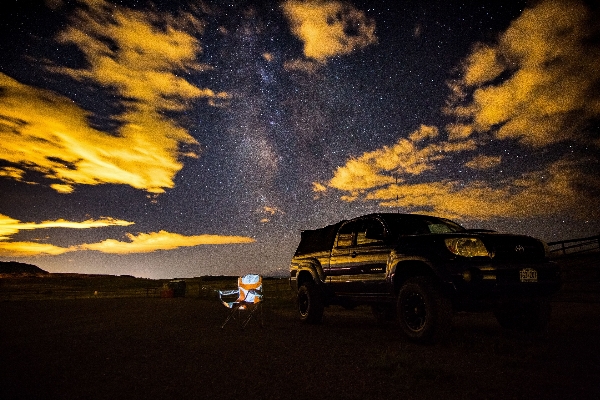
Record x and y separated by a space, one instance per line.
571 246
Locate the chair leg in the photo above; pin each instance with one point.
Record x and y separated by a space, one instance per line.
256 310
244 321
231 315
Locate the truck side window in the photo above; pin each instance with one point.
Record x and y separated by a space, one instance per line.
345 236
371 231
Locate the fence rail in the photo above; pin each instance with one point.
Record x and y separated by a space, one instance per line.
575 245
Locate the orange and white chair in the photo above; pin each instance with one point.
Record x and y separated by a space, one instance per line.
248 298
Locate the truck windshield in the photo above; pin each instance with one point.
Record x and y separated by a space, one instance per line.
444 226
420 225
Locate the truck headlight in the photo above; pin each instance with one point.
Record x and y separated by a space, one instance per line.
467 247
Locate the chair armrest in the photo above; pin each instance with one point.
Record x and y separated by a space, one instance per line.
228 292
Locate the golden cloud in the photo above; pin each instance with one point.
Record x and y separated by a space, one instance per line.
384 166
128 54
306 66
29 249
162 240
10 226
271 210
12 172
329 28
532 194
538 83
484 162
319 187
142 243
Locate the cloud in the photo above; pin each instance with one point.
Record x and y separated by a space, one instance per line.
12 172
537 86
532 194
269 212
128 55
386 176
484 162
162 240
329 28
306 66
141 243
48 133
29 249
10 226
410 156
538 83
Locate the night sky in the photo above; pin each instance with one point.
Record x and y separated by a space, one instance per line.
177 139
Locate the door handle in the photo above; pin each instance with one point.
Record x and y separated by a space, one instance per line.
353 254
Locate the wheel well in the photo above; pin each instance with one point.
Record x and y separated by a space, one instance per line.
409 269
304 276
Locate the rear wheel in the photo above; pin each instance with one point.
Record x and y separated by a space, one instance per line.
310 303
424 313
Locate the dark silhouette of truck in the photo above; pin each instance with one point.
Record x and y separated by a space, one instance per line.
418 269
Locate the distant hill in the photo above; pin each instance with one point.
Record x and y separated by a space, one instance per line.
13 267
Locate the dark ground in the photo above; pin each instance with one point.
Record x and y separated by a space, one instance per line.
173 348
142 348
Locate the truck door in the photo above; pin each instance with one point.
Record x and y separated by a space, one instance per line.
370 255
359 257
343 271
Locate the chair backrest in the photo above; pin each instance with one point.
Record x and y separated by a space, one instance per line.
250 286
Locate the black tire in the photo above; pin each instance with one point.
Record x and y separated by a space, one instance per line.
526 316
424 313
310 303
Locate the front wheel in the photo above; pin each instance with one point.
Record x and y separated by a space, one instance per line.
424 313
310 303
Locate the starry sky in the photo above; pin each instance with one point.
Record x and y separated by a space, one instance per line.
176 139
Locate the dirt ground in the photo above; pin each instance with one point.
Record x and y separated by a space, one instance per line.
143 348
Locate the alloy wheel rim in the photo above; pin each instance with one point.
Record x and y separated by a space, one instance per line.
414 311
303 303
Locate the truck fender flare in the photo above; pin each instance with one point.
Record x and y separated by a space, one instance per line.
315 269
413 260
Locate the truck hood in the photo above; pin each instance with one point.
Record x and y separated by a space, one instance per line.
505 247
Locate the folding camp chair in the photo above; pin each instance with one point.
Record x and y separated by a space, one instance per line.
248 298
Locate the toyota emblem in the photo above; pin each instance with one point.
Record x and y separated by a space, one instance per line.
519 249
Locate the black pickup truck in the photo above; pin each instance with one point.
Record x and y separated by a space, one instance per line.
418 269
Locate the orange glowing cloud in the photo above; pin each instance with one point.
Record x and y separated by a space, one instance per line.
10 226
538 83
149 242
484 162
29 249
129 55
269 212
532 194
142 243
384 166
12 172
329 28
306 66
